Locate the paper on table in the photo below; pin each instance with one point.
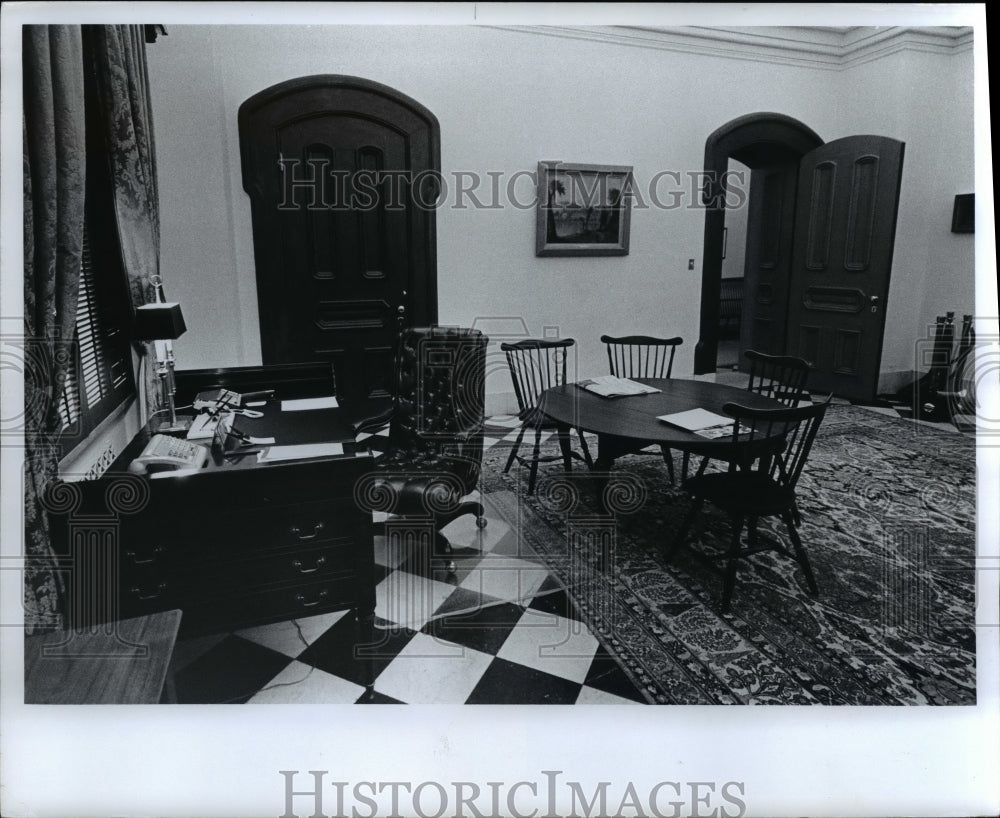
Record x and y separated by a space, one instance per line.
610 386
303 404
300 452
695 420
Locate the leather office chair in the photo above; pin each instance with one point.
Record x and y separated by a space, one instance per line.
433 455
761 483
537 365
643 356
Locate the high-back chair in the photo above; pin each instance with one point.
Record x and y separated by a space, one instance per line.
762 484
433 455
781 377
536 365
643 356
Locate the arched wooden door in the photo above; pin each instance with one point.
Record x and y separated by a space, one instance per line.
342 175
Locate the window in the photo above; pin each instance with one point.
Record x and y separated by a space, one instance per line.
101 377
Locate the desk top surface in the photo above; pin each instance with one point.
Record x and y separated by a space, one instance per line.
123 662
635 417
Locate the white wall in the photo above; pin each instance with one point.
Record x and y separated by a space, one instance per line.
506 100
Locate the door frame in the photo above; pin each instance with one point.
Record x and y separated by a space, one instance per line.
752 139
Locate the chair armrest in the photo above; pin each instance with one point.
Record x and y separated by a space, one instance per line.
374 422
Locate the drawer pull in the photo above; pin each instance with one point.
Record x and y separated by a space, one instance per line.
297 532
138 594
319 598
158 551
317 564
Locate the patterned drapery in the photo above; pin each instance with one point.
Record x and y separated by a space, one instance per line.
54 184
119 61
54 135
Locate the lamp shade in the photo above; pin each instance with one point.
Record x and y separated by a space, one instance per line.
158 322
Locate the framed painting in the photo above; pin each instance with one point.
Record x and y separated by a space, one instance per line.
582 210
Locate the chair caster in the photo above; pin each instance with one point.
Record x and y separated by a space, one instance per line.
481 522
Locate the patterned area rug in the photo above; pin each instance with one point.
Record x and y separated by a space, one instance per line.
888 511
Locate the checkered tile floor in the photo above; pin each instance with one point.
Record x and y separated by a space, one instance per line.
497 631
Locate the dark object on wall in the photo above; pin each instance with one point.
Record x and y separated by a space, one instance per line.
963 215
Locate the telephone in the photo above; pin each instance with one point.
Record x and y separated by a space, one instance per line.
169 453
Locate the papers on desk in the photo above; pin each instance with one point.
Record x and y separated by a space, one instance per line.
701 422
275 454
609 386
304 404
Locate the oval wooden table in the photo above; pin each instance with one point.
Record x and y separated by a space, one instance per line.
624 425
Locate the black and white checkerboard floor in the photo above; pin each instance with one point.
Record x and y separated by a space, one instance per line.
497 631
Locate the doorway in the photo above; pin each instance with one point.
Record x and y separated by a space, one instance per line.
341 173
821 223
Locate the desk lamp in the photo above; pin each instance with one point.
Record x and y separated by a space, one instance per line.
162 322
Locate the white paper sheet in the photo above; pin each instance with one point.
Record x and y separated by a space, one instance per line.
304 404
696 419
300 452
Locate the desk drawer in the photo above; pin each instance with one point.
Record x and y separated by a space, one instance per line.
236 531
286 602
233 570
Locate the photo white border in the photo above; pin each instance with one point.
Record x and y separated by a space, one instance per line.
221 760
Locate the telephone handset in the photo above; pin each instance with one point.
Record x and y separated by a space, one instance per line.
169 453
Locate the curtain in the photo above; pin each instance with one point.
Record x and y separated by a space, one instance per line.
118 55
53 130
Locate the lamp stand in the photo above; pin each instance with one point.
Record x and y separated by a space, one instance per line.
165 372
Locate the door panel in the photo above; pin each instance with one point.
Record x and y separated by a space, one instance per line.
845 225
343 255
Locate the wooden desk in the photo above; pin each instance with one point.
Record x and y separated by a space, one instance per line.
238 543
625 424
127 665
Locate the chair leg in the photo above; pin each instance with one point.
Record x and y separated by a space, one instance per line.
729 580
668 458
683 530
800 552
534 461
752 532
564 446
586 451
513 452
703 466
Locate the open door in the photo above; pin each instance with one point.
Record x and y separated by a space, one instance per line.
845 226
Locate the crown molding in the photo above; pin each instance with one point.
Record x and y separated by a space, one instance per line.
816 47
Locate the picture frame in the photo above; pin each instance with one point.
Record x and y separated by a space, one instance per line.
583 210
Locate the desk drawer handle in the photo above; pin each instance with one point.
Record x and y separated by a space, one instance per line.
319 598
138 594
157 552
297 532
318 563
